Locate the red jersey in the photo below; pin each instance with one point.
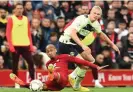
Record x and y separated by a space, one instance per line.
61 63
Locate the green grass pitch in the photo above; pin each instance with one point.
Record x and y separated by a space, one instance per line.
107 89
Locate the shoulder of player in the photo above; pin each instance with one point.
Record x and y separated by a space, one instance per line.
49 62
96 24
62 55
82 16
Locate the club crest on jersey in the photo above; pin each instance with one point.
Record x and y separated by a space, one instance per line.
72 53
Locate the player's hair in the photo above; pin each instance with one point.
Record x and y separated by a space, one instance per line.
50 46
37 58
97 7
17 4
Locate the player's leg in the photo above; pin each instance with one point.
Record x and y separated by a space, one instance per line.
87 56
54 81
27 56
71 49
80 72
15 58
16 79
77 76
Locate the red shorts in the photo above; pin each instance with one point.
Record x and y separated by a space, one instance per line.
56 86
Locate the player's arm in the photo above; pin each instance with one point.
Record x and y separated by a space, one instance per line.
29 35
104 37
8 33
77 40
80 61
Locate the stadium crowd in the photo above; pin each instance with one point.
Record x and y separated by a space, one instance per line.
49 17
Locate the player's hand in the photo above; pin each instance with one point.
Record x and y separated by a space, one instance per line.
12 49
33 48
116 48
99 68
84 47
51 68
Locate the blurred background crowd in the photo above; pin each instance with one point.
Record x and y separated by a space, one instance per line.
49 17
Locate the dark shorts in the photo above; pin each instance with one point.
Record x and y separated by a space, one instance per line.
70 49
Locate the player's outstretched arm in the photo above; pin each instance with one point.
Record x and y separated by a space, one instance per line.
106 39
80 61
77 40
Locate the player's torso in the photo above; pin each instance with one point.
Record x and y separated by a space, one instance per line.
60 64
85 27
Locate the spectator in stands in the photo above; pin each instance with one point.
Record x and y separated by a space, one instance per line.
127 53
102 61
36 4
46 31
1 63
110 17
79 11
47 9
36 14
116 5
106 51
99 60
28 11
131 23
68 12
85 9
60 25
3 18
4 49
22 64
121 30
57 10
36 32
2 36
110 31
4 4
53 25
130 8
124 38
113 36
123 15
54 40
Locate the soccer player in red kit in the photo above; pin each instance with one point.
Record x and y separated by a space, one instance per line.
19 38
58 68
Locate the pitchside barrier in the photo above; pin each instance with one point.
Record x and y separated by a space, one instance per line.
106 77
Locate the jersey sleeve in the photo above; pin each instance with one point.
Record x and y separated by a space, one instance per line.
80 61
98 27
8 31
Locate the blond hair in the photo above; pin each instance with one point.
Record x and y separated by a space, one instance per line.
97 7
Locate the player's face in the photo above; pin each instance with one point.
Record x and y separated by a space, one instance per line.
95 14
51 52
19 10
